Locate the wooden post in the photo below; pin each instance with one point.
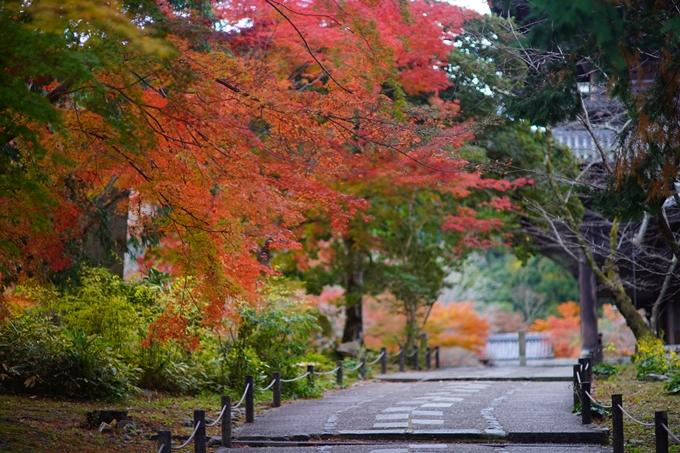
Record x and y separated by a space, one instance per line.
577 386
165 441
338 374
250 399
660 419
276 391
416 364
362 368
199 439
383 361
436 357
586 414
226 422
617 423
428 358
402 359
310 376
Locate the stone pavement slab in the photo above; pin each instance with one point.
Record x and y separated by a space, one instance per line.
431 410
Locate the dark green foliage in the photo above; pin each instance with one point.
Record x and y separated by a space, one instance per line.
534 288
673 384
39 358
548 98
605 369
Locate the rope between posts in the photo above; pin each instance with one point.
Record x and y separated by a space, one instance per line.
224 408
267 387
356 367
415 351
243 397
675 438
376 359
396 354
603 406
189 439
160 449
633 418
297 378
578 377
327 372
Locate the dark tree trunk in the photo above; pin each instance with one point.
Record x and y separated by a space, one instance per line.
354 293
588 302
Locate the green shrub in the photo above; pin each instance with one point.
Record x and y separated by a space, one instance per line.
106 306
40 358
270 338
673 384
605 369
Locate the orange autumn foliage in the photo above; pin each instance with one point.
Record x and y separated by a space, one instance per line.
226 145
565 329
456 324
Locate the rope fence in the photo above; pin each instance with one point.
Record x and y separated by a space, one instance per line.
245 392
356 367
271 384
198 434
649 425
377 359
191 437
675 438
583 395
219 418
321 373
297 378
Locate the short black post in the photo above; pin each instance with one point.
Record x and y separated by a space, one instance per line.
362 368
661 419
226 422
164 441
310 376
577 387
199 439
586 415
276 390
436 357
383 361
402 359
428 358
586 370
250 399
338 374
416 364
617 423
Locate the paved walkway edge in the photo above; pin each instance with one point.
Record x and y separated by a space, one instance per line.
478 378
595 436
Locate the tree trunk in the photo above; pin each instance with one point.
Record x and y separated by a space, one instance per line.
354 294
412 330
588 303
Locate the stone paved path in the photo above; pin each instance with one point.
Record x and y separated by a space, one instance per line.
514 411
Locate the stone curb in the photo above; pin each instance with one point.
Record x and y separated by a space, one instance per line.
595 436
478 378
